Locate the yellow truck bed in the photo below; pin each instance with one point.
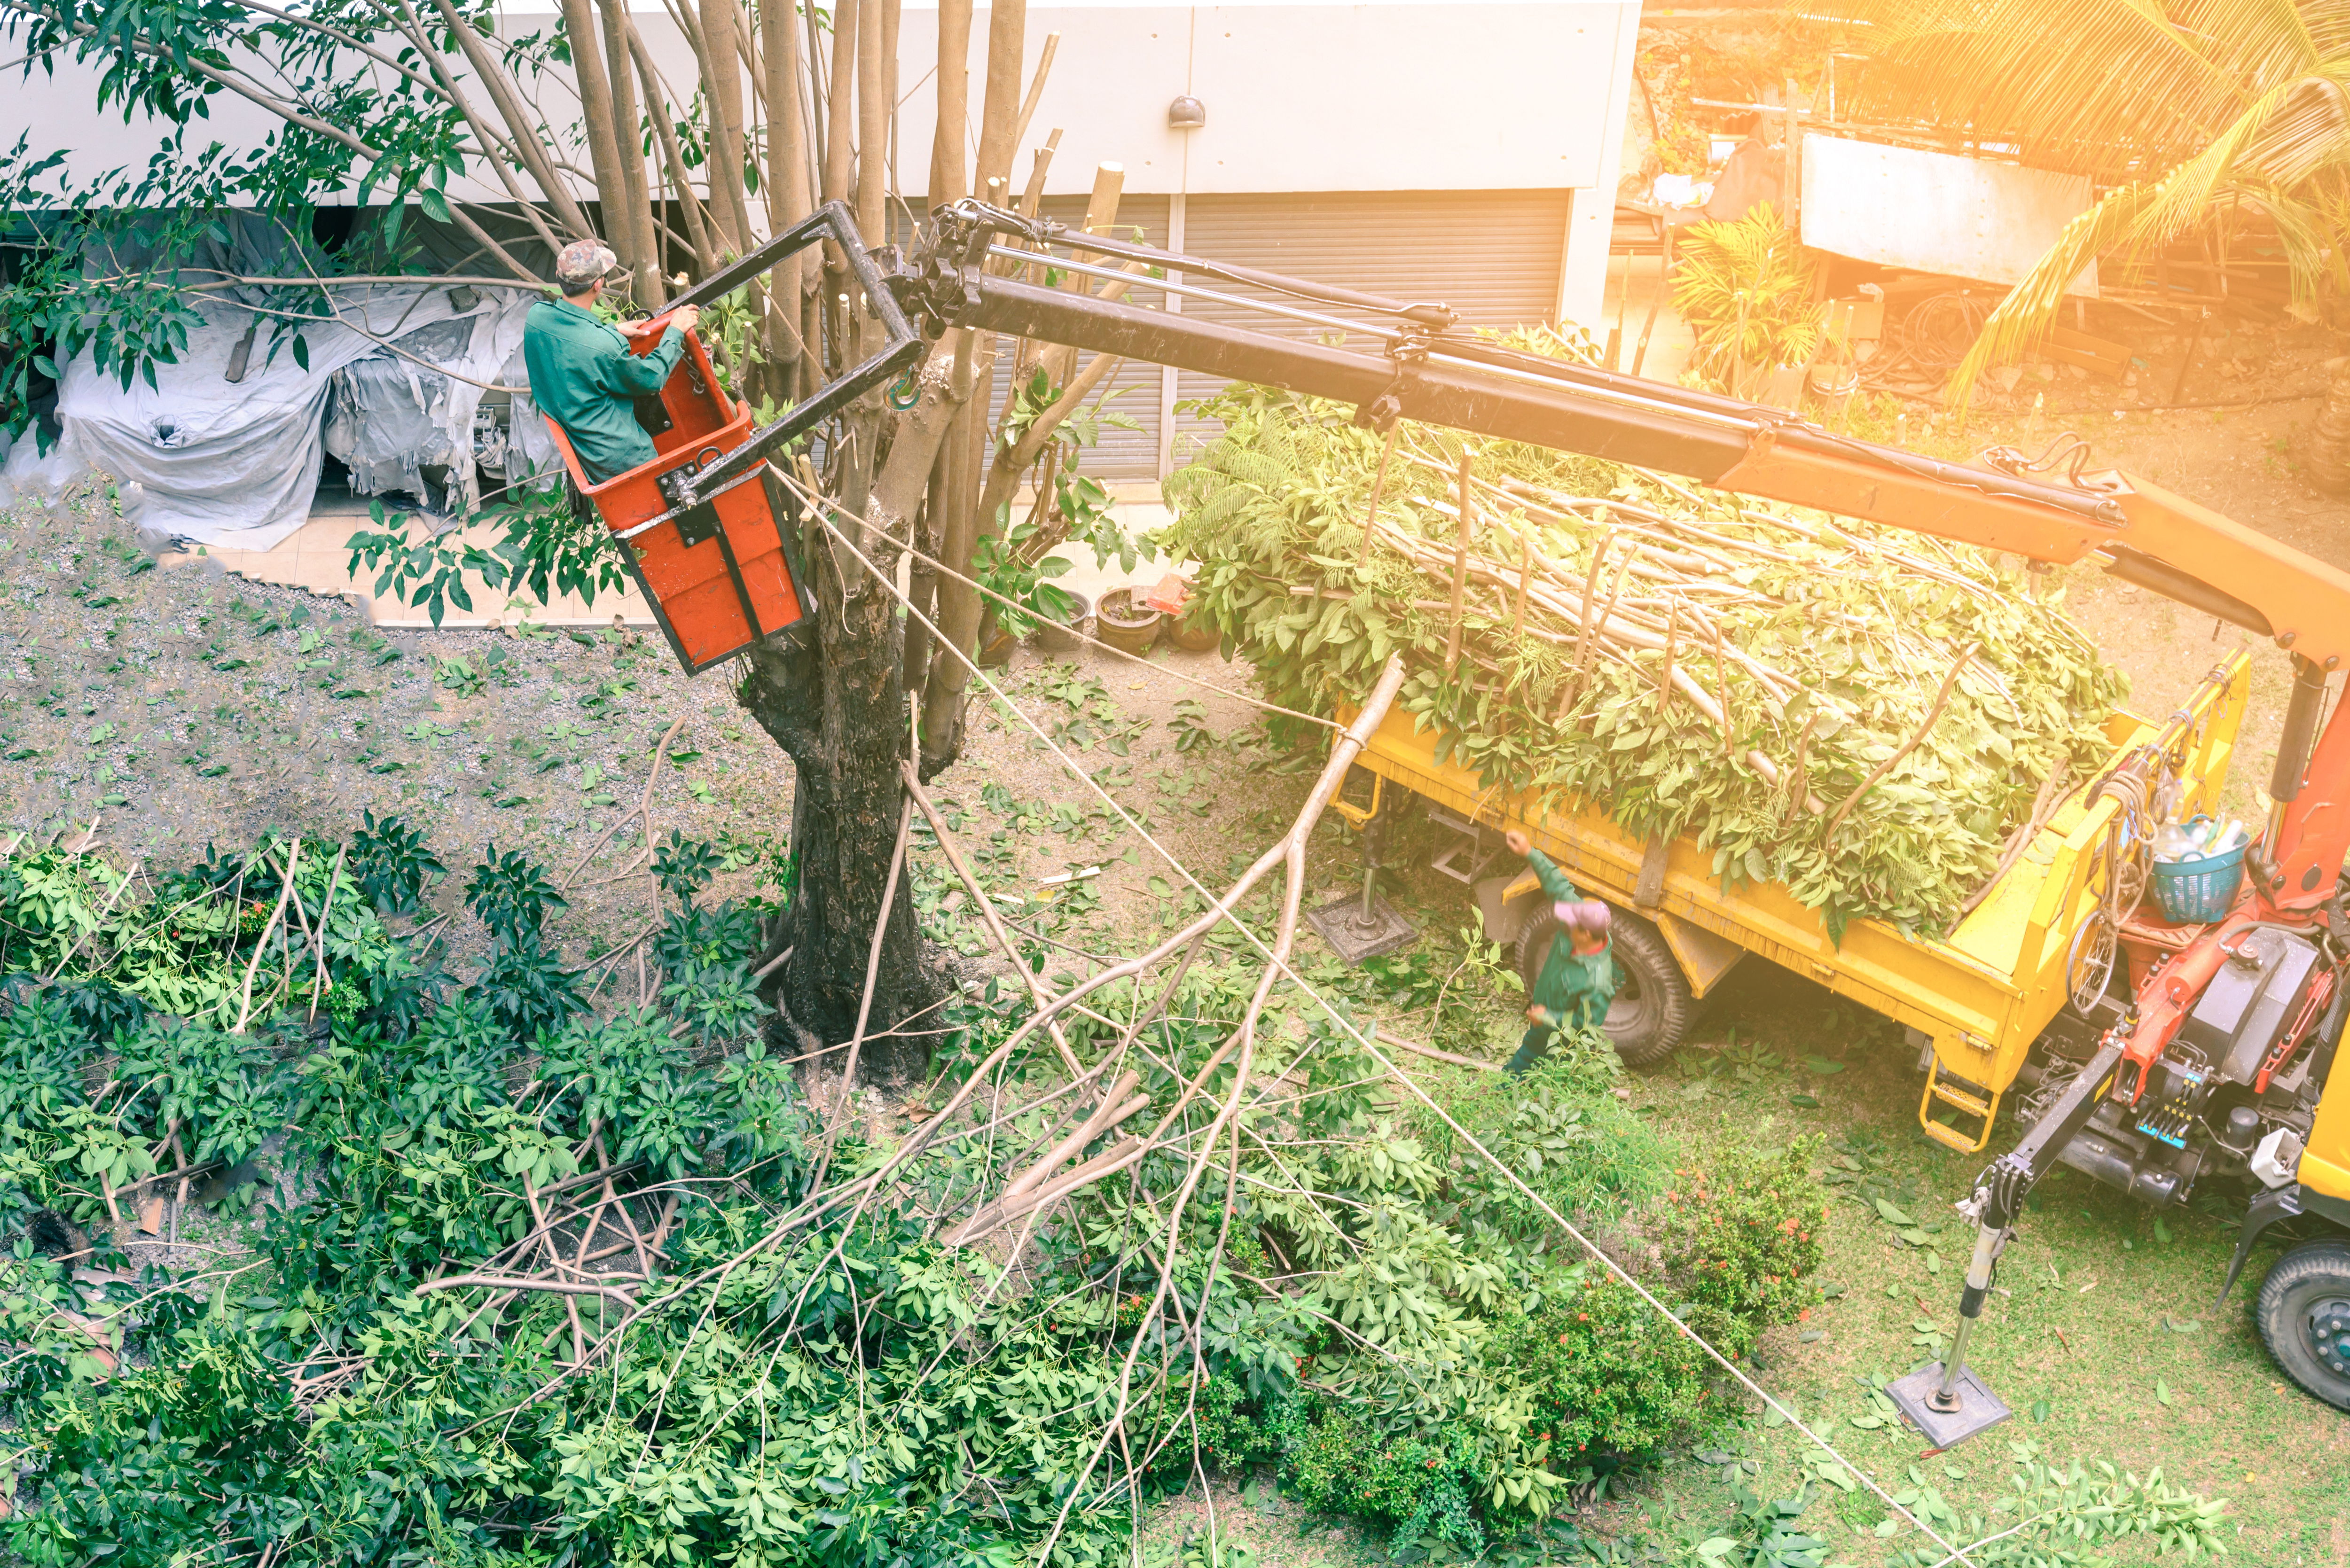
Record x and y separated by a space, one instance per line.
1981 998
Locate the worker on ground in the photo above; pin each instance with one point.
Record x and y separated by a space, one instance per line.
585 373
1577 980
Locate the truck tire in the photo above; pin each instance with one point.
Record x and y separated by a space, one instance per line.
1653 1007
2305 1312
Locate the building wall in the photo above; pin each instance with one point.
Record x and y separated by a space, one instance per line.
1408 96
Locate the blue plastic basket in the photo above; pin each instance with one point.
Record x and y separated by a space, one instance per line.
2198 892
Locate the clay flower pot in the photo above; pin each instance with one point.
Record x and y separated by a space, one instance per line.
1126 624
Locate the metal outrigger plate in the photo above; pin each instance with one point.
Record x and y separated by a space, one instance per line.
1979 1410
1355 938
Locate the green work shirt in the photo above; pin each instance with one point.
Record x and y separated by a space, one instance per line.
583 376
1573 987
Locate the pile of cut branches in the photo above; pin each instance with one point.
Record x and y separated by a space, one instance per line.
1862 714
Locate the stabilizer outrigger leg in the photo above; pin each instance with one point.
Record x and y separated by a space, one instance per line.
1947 1400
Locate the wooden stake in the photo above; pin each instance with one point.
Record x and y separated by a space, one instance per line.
1459 561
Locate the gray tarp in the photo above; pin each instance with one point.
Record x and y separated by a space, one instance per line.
236 464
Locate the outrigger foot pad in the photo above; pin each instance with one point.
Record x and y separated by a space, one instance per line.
1975 1408
1354 939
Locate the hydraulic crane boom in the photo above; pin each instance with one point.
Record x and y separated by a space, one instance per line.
967 276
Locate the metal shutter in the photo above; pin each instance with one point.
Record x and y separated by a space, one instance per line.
1492 256
1133 388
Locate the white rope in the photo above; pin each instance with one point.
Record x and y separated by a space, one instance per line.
1956 1553
937 565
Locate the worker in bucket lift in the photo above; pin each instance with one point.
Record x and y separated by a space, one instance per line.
583 371
1578 981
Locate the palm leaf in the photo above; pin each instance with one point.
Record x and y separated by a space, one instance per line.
2115 89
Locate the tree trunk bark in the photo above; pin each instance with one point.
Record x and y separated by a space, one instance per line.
949 166
787 182
2327 454
722 100
652 279
594 84
839 710
672 155
957 603
520 125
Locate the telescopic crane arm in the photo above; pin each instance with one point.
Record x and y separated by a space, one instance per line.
966 274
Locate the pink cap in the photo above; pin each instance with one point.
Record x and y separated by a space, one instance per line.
1589 915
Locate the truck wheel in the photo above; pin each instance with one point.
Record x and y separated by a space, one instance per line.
2305 1318
1653 1007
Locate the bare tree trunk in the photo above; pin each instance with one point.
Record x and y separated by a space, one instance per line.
672 155
494 149
522 127
580 29
1007 26
838 709
787 184
949 164
891 15
959 529
872 189
651 283
721 101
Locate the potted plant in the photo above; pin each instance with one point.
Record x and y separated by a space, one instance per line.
1745 288
1125 622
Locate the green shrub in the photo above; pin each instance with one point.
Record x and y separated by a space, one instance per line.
1610 1379
1742 1240
1415 1486
1561 1130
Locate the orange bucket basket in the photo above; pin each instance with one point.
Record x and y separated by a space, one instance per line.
707 531
719 573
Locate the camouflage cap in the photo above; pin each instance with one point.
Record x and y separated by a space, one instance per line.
581 262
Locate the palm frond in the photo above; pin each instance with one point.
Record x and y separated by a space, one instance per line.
2115 89
2248 160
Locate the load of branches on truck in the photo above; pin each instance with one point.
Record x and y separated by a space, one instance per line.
1865 716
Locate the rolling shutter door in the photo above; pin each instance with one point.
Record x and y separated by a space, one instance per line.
1492 255
1133 388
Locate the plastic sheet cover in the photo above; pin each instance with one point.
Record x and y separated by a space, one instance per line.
235 465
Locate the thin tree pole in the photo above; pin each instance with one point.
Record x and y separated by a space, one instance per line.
787 189
722 103
672 155
582 34
522 127
950 169
651 282
872 180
